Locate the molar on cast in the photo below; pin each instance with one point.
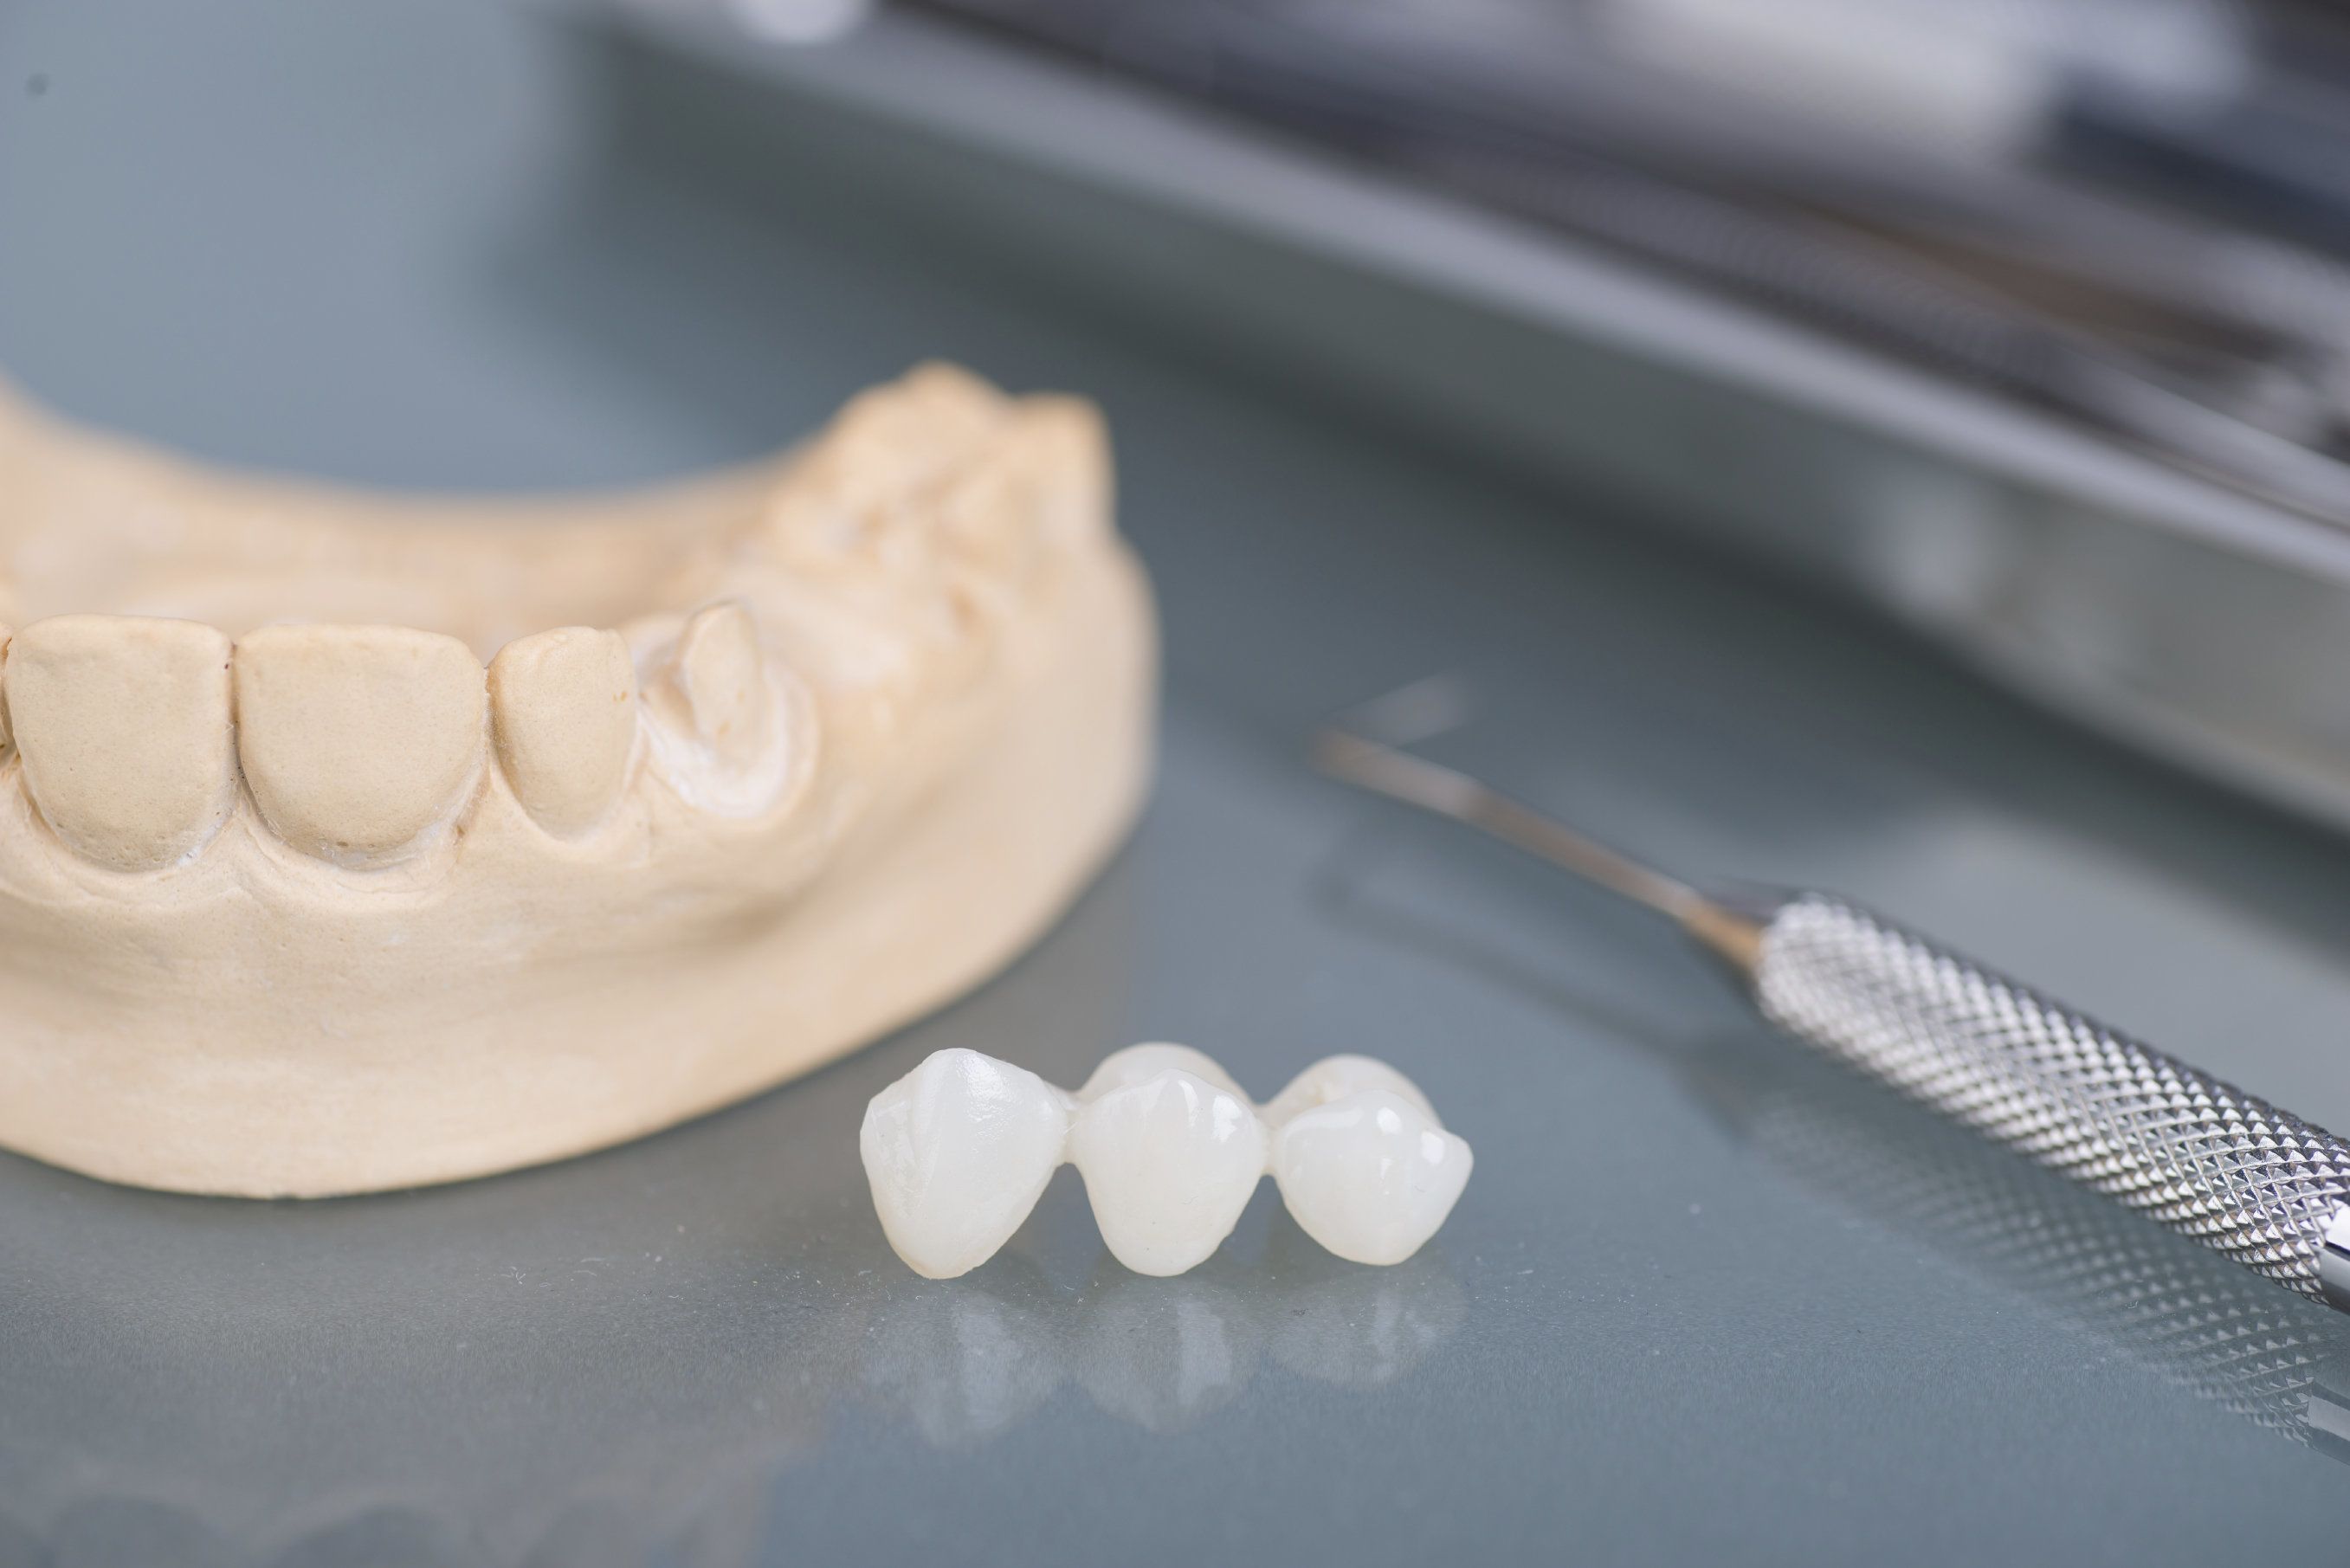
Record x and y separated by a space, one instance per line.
122 724
1001 515
987 515
958 1151
849 499
1063 445
358 739
563 710
1169 1163
894 438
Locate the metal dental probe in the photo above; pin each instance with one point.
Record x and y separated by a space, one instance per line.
2258 1185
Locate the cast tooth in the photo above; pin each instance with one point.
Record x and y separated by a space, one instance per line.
5 635
894 437
563 706
357 739
123 726
716 686
1069 444
1137 1063
958 1151
1168 1164
1369 1175
1335 1077
1042 486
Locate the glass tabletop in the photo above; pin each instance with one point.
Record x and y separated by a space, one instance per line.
1704 1297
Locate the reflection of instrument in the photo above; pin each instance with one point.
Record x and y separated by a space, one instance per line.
2253 1183
2277 1362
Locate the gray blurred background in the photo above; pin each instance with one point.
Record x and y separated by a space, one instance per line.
1702 1300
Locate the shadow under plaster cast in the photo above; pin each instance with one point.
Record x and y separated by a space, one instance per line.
299 897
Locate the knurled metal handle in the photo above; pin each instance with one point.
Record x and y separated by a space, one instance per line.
2253 1183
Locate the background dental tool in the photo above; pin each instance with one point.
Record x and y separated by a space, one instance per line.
2252 1183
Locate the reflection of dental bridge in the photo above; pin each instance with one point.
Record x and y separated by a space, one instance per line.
637 1347
330 908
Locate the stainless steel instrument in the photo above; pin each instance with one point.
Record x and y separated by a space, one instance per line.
2256 1184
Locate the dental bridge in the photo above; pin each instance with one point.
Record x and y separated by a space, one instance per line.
350 843
958 1151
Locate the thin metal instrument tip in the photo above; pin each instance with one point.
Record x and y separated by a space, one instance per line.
1411 713
1384 769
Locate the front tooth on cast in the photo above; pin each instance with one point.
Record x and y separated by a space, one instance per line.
1333 1078
958 1151
357 739
122 723
716 686
1369 1175
1137 1063
562 707
1169 1163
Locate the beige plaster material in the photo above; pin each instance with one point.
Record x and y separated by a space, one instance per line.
356 740
326 865
126 743
564 707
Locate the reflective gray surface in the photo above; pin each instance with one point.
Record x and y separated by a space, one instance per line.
1703 1295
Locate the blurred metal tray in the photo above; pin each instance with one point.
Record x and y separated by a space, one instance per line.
2192 617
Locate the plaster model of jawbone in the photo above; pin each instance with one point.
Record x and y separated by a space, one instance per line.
331 908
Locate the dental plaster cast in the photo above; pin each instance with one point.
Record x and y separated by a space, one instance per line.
298 897
958 1151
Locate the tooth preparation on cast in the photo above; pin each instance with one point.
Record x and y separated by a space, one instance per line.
958 1151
